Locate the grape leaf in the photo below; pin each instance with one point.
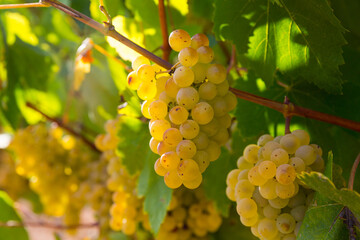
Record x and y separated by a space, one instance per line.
319 198
301 38
7 214
133 146
325 186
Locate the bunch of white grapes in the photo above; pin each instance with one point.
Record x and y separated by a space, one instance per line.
188 108
269 197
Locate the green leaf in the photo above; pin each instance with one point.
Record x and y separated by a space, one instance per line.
7 214
300 39
157 194
325 186
318 223
133 146
319 198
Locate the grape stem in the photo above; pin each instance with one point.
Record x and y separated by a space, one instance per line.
65 127
286 115
16 224
164 31
353 171
23 5
290 109
107 15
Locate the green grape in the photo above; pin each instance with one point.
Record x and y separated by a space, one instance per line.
207 91
171 88
268 190
216 73
184 76
285 174
317 149
255 178
243 174
138 61
225 120
202 159
307 154
202 113
145 73
178 115
263 139
195 183
146 90
290 143
298 212
279 156
165 98
260 201
267 169
251 153
268 148
278 202
145 108
285 191
158 109
205 54
230 193
164 147
270 212
219 105
267 228
210 128
172 137
213 150
199 70
133 80
170 160
231 101
188 170
179 39
159 169
222 136
246 207
243 164
186 149
248 222
201 141
199 40
153 145
298 164
158 127
188 57
318 165
302 135
189 129
285 223
243 189
172 179
222 88
298 199
187 97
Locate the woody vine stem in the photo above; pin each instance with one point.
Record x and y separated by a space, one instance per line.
288 109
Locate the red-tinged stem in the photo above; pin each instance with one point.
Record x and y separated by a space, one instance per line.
164 31
286 115
23 5
353 171
16 224
63 126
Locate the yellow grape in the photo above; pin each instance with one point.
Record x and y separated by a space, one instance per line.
133 80
232 178
188 57
189 129
146 90
159 169
251 153
164 147
290 143
246 207
158 127
158 109
255 178
188 170
138 61
201 141
170 160
145 73
285 174
171 88
205 54
267 169
195 183
186 149
178 115
183 76
172 137
302 135
216 73
202 113
199 40
172 179
179 39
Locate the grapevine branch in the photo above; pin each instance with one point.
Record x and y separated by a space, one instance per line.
23 5
16 224
286 115
63 126
164 32
289 110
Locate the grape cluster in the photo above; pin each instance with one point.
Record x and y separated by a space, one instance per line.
126 209
269 197
188 109
190 216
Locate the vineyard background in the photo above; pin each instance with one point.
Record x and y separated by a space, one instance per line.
306 50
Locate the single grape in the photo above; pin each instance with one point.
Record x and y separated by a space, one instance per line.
285 174
263 139
260 201
210 128
285 223
298 199
298 212
219 105
278 202
231 101
243 164
205 54
146 90
243 174
179 39
298 164
158 109
178 115
202 159
230 193
145 108
145 73
202 113
268 190
171 88
285 191
222 88
187 97
158 127
164 147
186 149
153 145
255 177
172 136
188 57
243 189
248 222
267 228
222 136
267 169
246 207
189 129
138 61
251 152
195 183
213 150
172 179
307 154
216 73
199 40
159 169
207 91
279 156
318 165
225 121
317 149
199 70
188 170
170 160
133 80
270 212
268 148
290 143
201 141
303 136
184 76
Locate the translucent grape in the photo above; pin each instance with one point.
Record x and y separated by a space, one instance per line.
298 212
216 73
153 145
260 201
189 129
268 190
146 90
207 91
138 61
172 179
178 115
263 139
317 149
270 212
231 101
187 97
199 70
205 54
285 191
267 169
210 128
158 127
243 189
225 120
186 149
163 148
188 170
188 57
202 159
201 141
279 156
290 143
158 109
285 174
145 108
302 135
246 207
160 83
278 202
170 160
251 153
146 73
243 164
318 165
267 228
298 164
285 223
213 150
230 193
222 88
184 76
307 154
171 88
268 148
133 80
222 136
172 136
195 183
199 40
179 39
202 113
255 177
159 169
248 222
219 105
